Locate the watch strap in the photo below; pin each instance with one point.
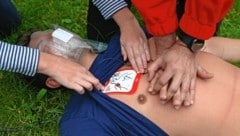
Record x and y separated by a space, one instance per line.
185 38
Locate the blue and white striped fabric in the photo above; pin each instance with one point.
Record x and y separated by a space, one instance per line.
18 59
109 7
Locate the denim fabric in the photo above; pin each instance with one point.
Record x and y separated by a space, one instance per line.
9 18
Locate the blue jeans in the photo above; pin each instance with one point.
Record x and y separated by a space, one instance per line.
9 18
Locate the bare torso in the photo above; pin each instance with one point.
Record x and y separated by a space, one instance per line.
216 110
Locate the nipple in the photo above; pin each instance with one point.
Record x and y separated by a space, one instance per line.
142 99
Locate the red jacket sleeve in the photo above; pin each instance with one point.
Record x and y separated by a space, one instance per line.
199 19
201 16
159 15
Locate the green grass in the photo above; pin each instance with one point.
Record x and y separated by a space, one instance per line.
29 112
231 24
24 110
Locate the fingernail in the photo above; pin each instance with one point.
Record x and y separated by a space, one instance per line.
187 103
101 88
150 89
81 91
163 97
177 107
192 102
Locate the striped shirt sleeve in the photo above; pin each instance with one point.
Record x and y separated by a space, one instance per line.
109 7
18 59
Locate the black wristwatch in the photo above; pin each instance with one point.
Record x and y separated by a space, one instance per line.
192 43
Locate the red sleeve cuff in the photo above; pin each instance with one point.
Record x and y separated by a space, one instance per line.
162 28
194 28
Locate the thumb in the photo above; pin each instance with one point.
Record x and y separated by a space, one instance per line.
203 73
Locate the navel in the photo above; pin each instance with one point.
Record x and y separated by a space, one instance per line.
141 99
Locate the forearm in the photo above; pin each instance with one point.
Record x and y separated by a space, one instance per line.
48 63
201 16
124 18
225 48
109 8
159 15
18 59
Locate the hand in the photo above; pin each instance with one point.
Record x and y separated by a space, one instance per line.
68 73
133 40
180 71
156 88
164 42
134 47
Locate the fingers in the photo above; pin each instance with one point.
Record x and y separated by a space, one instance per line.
146 55
137 56
154 85
83 85
174 83
79 88
85 82
190 95
135 48
88 81
154 67
163 94
177 100
147 51
192 91
185 89
132 59
181 92
124 53
73 76
95 82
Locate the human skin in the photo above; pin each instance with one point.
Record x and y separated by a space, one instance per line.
133 40
225 48
216 108
74 77
179 69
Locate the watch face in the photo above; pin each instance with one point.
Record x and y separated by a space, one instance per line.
197 45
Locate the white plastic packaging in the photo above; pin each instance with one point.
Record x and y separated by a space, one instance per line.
65 44
68 43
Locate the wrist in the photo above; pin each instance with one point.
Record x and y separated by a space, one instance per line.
124 17
192 43
45 61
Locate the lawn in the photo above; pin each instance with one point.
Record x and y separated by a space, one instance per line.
30 112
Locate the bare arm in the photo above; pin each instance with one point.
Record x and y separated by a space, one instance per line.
225 48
